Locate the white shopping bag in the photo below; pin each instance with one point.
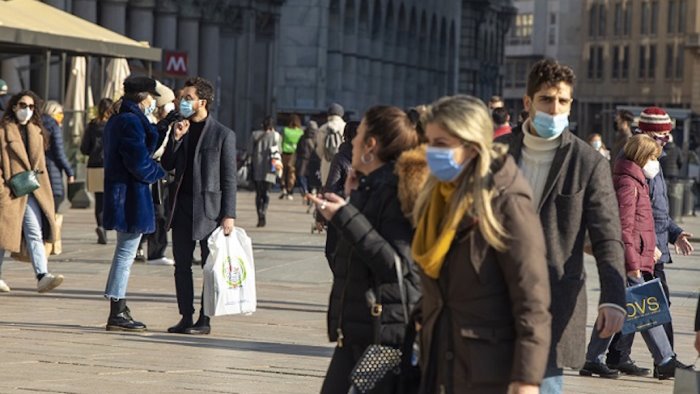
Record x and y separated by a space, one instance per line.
229 274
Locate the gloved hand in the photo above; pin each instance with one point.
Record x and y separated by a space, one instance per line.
171 118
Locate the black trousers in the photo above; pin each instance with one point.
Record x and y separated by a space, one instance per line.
620 351
262 197
99 207
183 247
157 241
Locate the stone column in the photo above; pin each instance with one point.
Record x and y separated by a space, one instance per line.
113 15
210 46
165 34
86 9
55 79
227 97
141 22
188 35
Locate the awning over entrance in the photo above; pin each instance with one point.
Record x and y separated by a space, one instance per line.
30 26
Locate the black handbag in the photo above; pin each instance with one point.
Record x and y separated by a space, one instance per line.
25 182
379 360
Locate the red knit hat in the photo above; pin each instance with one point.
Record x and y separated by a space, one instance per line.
654 119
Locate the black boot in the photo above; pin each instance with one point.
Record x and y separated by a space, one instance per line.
182 325
261 219
591 368
120 318
201 327
101 236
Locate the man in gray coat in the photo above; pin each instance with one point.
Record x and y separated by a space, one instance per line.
572 191
203 154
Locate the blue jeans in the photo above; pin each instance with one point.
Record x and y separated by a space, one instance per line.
124 253
33 236
553 381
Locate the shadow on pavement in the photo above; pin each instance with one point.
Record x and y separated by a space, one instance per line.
233 344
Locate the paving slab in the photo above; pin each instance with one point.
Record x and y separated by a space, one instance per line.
56 342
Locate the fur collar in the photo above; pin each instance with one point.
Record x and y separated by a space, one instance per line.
412 170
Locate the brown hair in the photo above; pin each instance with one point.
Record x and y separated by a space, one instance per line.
10 117
204 88
294 122
393 130
641 148
548 72
105 109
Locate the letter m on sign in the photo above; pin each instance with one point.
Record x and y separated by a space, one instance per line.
175 62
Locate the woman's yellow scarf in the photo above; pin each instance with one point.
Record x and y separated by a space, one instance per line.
433 238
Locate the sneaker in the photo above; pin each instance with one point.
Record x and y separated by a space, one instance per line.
283 195
4 288
49 282
668 370
630 368
600 369
290 197
161 261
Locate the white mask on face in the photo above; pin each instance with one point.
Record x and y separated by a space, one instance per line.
23 115
651 169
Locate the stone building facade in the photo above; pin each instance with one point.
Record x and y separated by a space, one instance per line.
283 56
365 52
638 53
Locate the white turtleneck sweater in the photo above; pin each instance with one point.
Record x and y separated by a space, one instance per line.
536 160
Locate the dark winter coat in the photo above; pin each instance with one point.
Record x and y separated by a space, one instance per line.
635 215
306 150
486 320
340 166
129 142
672 161
372 231
214 173
56 160
667 231
91 144
577 199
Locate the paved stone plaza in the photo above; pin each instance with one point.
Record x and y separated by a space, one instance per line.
56 342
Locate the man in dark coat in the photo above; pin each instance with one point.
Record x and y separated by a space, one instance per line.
202 152
672 159
572 190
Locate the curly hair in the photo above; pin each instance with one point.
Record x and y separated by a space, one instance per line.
548 72
204 88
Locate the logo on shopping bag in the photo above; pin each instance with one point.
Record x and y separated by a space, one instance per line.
234 272
646 307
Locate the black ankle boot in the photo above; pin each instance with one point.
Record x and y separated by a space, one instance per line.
201 327
182 325
101 236
120 318
261 221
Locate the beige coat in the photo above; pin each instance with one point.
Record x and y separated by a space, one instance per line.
13 160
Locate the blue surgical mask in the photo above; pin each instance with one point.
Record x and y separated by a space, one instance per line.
149 110
186 108
597 144
442 163
548 126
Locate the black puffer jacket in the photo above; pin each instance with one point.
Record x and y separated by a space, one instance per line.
372 230
672 161
91 144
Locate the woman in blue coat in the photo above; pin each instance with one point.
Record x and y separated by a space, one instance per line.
56 160
129 142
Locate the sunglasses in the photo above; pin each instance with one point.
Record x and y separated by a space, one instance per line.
22 105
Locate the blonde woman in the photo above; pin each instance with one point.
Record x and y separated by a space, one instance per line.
480 247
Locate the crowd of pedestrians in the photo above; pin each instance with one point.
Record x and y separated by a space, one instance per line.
444 220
